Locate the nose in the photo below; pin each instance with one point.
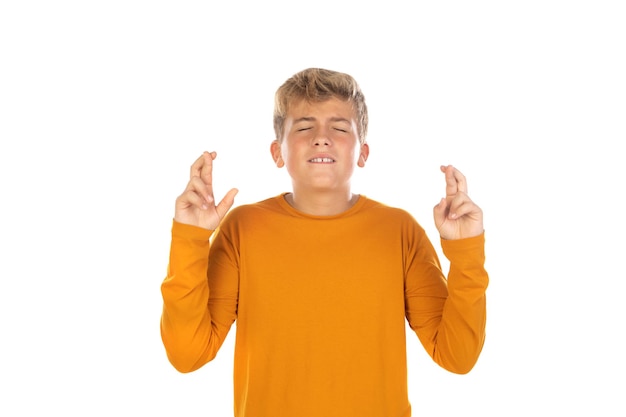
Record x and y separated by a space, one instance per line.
321 139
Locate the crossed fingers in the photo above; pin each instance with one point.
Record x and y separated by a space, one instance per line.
455 180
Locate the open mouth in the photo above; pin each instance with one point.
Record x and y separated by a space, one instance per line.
322 160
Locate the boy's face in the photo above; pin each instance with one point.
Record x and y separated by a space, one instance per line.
320 146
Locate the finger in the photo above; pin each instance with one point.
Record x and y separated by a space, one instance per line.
455 180
191 198
196 167
451 184
462 205
460 181
199 187
468 209
226 203
206 173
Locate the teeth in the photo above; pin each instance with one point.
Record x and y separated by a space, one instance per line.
322 160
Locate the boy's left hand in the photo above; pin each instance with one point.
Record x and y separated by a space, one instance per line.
456 215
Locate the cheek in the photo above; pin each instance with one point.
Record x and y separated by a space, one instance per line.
287 157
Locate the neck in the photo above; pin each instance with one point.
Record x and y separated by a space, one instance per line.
321 204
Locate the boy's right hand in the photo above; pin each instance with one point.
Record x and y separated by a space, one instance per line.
196 205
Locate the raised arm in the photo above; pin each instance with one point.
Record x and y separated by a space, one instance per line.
190 331
449 315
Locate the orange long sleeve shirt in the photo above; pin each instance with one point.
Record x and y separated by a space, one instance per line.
320 305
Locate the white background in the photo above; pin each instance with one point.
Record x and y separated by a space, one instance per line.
104 105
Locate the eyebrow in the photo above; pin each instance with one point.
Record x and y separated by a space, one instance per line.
312 119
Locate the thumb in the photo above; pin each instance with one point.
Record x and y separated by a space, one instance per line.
226 203
440 211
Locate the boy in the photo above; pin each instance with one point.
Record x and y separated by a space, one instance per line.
321 280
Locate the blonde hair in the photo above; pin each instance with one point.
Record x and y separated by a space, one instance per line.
317 85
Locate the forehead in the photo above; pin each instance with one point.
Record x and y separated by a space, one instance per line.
332 107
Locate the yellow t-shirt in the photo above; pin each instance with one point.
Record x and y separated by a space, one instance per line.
320 304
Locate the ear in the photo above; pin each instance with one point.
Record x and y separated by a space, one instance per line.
365 152
277 154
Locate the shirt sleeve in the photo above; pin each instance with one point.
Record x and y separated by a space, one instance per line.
190 332
449 315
